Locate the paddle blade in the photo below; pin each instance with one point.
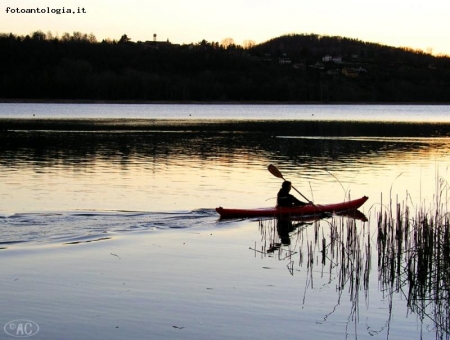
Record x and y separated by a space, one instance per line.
274 171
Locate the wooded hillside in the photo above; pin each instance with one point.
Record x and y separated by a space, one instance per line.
291 68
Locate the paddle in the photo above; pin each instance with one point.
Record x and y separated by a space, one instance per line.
277 173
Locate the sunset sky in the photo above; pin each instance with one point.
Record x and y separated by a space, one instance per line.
420 25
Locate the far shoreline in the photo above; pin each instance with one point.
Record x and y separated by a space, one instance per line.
149 102
10 126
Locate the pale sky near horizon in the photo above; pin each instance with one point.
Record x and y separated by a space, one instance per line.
421 25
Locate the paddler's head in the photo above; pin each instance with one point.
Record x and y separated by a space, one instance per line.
286 185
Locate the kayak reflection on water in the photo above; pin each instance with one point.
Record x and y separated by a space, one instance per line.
286 226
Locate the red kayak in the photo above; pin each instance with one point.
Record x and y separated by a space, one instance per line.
294 211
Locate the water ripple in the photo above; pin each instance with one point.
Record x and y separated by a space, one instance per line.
88 226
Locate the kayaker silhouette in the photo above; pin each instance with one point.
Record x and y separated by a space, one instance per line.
285 199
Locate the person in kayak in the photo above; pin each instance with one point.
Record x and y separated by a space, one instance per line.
285 199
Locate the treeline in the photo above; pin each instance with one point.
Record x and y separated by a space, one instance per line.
286 69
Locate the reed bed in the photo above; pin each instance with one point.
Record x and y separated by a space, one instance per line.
337 247
412 253
414 259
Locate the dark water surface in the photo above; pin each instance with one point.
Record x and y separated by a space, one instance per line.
168 166
70 181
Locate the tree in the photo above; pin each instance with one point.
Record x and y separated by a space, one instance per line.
38 35
248 44
124 39
92 38
227 42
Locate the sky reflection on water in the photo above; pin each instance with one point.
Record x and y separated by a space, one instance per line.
162 171
117 180
391 113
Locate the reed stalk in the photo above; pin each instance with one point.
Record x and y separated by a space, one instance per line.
413 253
414 260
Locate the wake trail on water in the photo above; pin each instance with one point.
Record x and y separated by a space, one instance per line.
86 226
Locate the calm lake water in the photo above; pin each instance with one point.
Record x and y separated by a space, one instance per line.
63 186
410 113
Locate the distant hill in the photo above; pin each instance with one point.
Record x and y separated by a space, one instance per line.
313 47
293 68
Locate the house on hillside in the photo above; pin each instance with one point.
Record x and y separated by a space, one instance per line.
329 59
301 65
284 61
360 70
334 72
318 66
349 72
159 44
